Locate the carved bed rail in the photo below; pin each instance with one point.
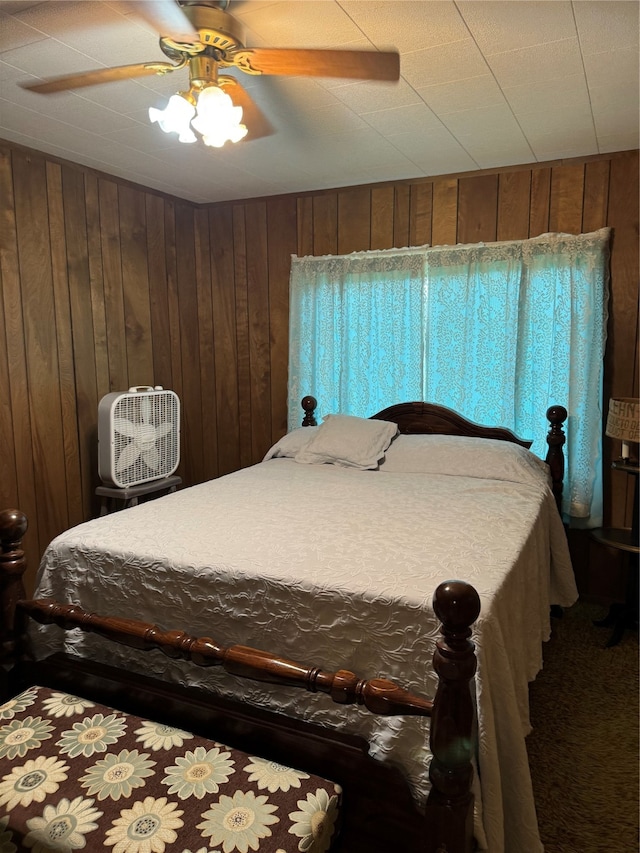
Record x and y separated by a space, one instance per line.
378 695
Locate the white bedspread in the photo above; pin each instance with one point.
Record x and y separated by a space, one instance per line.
338 567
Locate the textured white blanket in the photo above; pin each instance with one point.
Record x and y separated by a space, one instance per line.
338 567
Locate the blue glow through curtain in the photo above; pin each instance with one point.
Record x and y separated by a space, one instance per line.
497 331
356 331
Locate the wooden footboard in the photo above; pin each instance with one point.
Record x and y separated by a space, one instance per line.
379 811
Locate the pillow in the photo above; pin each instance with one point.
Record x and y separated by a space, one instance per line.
464 456
348 441
291 443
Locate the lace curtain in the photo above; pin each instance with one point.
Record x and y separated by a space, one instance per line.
497 331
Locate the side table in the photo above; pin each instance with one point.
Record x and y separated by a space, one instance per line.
114 498
622 616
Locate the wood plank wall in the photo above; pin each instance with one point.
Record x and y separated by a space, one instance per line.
106 285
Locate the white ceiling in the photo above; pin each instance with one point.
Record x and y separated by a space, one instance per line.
482 84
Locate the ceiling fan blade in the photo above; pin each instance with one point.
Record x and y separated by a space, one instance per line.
100 75
252 116
167 17
357 64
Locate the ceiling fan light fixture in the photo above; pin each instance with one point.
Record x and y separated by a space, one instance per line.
217 119
202 35
176 118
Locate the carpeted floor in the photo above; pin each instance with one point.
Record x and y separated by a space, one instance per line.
583 749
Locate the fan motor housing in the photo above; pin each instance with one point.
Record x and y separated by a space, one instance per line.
216 28
138 436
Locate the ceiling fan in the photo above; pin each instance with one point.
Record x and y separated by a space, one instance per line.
203 36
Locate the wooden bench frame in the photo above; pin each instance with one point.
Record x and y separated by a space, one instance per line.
379 811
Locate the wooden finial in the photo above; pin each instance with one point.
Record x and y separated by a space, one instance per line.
457 605
13 564
13 526
556 415
309 405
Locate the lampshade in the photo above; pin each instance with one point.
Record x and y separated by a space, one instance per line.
175 118
623 421
218 120
209 110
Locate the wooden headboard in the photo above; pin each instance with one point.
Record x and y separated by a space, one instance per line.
431 419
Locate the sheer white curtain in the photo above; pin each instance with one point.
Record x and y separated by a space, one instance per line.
356 331
497 331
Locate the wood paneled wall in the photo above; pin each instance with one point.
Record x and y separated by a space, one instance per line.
106 285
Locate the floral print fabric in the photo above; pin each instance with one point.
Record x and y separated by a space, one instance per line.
77 775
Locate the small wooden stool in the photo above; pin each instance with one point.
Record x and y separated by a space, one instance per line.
112 495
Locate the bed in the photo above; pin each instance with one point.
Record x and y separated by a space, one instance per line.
330 550
71 729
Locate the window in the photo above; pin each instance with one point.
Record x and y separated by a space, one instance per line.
497 331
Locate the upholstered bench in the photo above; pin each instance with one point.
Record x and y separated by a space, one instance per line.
76 774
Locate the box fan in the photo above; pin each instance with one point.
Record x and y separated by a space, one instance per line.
138 436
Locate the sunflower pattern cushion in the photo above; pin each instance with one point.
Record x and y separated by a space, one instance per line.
75 775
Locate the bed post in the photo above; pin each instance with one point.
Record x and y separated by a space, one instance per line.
309 405
13 526
556 416
449 810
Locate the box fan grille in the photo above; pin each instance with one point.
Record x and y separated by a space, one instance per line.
138 436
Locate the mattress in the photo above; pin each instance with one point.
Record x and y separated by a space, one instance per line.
337 566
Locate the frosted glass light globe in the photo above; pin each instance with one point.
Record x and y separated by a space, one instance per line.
175 118
218 120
